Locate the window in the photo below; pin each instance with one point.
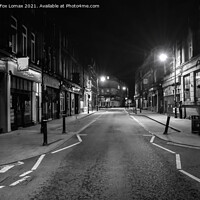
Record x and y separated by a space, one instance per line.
197 86
187 88
13 34
24 41
32 47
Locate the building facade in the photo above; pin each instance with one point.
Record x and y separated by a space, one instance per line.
40 74
112 92
173 86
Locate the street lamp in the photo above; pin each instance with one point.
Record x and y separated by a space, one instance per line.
163 57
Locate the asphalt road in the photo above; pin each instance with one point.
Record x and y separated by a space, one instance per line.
113 158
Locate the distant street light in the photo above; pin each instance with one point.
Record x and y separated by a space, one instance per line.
102 78
163 57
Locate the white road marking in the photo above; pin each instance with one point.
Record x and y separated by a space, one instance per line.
2 186
38 162
25 173
190 175
163 148
20 163
147 135
178 162
183 145
19 181
6 168
152 139
65 148
79 138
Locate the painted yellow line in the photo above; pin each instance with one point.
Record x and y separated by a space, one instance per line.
178 162
163 148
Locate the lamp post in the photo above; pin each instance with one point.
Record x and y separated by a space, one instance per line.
163 57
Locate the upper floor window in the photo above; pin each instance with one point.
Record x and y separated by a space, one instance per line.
24 41
32 47
13 34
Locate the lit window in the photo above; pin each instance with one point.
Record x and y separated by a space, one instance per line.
187 87
32 47
24 41
13 42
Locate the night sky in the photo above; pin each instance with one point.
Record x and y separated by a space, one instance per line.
119 33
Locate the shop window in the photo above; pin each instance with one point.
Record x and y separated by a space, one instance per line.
33 47
187 87
13 41
24 41
197 84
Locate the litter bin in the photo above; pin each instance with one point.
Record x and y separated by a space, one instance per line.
195 119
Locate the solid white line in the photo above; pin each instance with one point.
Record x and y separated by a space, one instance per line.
178 162
2 186
79 138
65 148
19 181
6 168
152 139
25 173
183 145
86 126
163 148
38 162
190 175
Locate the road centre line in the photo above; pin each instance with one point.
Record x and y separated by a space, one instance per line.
38 162
19 181
65 148
163 148
178 162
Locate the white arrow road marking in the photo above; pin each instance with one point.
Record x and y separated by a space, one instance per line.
38 162
19 181
178 162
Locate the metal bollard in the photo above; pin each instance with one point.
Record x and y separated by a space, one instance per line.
44 130
167 125
64 130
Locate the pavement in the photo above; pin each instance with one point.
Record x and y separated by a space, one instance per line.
27 142
182 133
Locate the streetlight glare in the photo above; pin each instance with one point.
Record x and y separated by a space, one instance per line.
163 57
102 78
124 88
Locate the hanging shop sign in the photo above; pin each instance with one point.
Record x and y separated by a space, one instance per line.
51 82
23 64
2 66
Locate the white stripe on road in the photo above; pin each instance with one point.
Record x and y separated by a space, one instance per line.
19 181
152 139
178 162
38 162
25 173
6 168
163 148
79 138
190 175
65 148
183 145
2 186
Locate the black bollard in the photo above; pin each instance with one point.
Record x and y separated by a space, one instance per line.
167 125
44 129
64 131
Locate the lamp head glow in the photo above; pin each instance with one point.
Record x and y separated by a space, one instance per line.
124 88
102 78
163 57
